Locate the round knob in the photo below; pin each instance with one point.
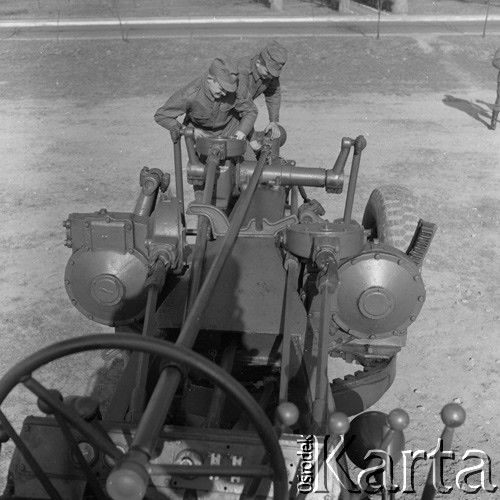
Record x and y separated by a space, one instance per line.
398 419
287 414
127 482
338 423
453 415
45 407
87 408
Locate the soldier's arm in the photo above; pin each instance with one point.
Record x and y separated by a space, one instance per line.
247 110
273 100
177 105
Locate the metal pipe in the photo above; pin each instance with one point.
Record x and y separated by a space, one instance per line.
202 231
138 395
179 186
327 286
345 148
292 276
294 200
359 145
286 174
150 181
191 151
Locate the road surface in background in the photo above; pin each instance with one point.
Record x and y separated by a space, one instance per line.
249 27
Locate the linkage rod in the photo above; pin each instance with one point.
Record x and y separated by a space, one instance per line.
359 145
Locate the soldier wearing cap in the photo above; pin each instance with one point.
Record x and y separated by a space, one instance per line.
212 103
259 74
496 106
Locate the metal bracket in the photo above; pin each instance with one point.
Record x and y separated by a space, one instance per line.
220 223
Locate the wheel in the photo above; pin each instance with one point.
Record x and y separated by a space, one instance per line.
135 483
390 215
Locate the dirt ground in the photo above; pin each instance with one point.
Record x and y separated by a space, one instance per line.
77 126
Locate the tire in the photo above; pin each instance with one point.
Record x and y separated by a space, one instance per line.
390 215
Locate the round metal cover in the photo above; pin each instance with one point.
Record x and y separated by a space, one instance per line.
107 286
380 294
232 147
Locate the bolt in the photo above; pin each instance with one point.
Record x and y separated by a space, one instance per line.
372 336
415 278
22 467
421 298
26 428
129 227
399 262
73 301
395 332
130 250
376 256
71 262
87 224
66 282
108 219
413 318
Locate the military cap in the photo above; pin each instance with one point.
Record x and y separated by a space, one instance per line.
225 71
274 56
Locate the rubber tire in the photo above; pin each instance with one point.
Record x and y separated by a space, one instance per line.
390 214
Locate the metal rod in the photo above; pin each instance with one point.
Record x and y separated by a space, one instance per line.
345 149
149 328
202 232
292 276
179 185
327 287
359 145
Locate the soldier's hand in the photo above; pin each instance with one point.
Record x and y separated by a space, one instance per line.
275 130
199 133
175 133
239 135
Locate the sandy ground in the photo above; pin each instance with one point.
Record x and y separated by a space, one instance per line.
77 127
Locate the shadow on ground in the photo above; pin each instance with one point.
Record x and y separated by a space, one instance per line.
480 113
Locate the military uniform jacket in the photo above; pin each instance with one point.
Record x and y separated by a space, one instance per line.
203 111
249 78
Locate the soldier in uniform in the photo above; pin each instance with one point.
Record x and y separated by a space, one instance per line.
259 74
212 103
496 106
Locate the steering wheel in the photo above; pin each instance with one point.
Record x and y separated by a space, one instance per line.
50 401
